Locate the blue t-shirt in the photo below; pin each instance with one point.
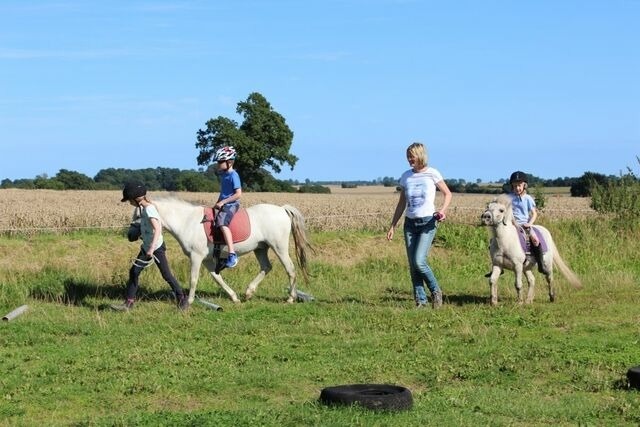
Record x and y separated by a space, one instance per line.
229 183
522 207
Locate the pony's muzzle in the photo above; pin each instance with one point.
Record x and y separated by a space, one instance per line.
487 218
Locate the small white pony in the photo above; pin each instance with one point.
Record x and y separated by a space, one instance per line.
271 226
507 253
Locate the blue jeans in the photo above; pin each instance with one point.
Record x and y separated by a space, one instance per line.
418 237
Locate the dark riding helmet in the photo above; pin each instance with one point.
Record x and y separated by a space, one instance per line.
132 190
518 176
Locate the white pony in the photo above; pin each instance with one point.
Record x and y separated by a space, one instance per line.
270 228
506 252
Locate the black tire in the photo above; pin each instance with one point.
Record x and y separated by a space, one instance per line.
633 375
371 396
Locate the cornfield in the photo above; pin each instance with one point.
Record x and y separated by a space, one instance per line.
361 208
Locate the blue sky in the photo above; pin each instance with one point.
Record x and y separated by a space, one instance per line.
551 87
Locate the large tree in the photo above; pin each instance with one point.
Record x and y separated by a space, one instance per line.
582 187
262 140
72 180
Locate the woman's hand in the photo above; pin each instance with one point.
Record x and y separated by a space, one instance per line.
439 216
390 233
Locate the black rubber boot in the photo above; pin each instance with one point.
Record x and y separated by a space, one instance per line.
536 251
183 302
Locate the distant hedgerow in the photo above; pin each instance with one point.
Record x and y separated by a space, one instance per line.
314 188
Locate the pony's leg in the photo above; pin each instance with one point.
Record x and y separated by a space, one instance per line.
265 267
552 292
531 280
210 263
548 260
196 263
285 259
518 281
493 284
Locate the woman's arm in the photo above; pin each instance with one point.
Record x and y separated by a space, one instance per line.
402 203
442 186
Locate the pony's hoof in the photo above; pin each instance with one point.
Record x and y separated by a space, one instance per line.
290 300
552 298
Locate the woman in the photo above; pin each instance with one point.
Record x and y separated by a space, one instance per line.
417 196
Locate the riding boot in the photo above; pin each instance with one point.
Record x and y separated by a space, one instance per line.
536 251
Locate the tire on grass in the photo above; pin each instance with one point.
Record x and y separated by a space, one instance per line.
633 375
371 396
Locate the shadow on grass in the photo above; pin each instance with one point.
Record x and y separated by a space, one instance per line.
623 384
400 295
465 299
82 293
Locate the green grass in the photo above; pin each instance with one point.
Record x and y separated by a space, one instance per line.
70 361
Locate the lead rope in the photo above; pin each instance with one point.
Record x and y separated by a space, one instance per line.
144 263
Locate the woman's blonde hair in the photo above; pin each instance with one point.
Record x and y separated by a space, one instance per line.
419 152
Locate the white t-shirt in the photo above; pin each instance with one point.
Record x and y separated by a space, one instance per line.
420 191
146 228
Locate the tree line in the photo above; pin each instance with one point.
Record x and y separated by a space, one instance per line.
206 180
579 186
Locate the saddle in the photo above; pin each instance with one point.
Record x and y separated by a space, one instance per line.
525 243
240 226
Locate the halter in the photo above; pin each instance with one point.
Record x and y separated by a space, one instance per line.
493 221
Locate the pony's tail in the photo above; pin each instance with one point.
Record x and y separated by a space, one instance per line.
299 231
568 274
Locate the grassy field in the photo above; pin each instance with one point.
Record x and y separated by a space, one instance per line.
70 361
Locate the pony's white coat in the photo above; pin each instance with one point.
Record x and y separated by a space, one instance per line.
507 253
270 228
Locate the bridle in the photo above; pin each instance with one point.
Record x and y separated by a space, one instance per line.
493 223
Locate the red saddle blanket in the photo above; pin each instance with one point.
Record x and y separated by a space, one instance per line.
240 226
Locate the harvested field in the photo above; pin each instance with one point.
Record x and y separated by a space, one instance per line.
365 207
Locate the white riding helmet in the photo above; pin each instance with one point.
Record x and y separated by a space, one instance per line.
225 153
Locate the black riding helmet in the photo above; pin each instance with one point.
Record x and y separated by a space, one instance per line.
132 190
518 176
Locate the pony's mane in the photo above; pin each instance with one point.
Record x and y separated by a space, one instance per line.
173 199
504 199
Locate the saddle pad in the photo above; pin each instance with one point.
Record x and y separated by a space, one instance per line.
240 226
524 242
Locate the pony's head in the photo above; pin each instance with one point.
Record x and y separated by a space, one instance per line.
498 211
